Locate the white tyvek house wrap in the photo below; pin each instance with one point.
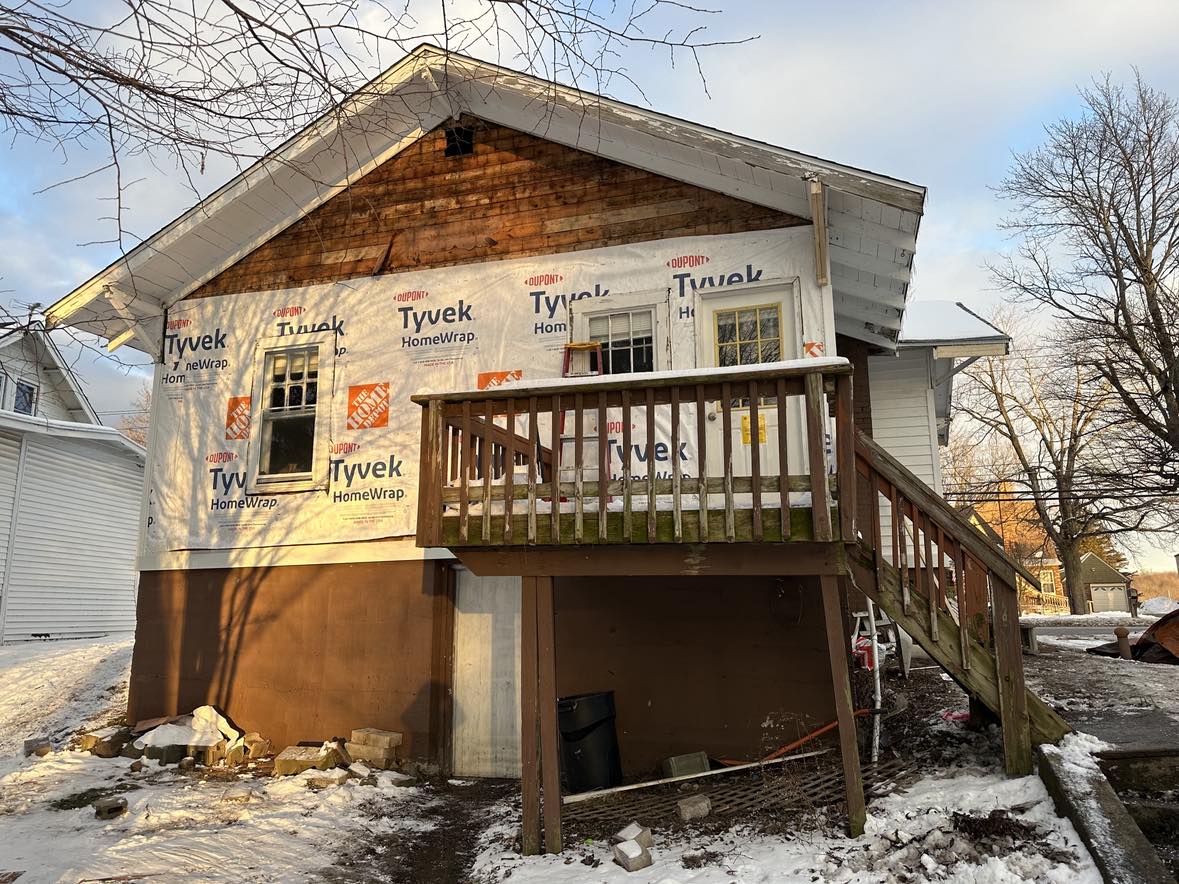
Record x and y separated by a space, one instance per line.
395 330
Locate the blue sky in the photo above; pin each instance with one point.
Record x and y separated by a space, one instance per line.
939 93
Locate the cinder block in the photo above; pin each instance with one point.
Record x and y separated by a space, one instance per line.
635 832
694 807
105 743
334 777
257 745
371 736
373 755
679 765
109 808
296 759
632 855
39 746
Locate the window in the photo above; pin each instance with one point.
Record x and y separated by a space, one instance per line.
291 393
460 141
1048 582
627 339
24 400
748 335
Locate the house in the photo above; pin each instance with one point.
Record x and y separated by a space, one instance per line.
70 493
374 499
1014 524
1106 588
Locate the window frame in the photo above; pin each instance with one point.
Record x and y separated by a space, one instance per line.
580 323
629 312
32 385
736 310
317 478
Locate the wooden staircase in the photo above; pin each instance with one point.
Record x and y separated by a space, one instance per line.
969 625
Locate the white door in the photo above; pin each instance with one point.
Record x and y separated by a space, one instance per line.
1109 598
749 328
486 729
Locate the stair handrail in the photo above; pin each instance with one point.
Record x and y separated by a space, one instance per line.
960 528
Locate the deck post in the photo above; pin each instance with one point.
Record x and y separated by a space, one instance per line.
1013 704
550 763
529 723
837 652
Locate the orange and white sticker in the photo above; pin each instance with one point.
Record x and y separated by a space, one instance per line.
368 406
237 418
489 379
813 349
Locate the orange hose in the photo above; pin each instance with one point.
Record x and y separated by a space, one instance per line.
801 741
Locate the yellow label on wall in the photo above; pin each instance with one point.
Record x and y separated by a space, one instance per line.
761 429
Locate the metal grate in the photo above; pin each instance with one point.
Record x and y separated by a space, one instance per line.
742 793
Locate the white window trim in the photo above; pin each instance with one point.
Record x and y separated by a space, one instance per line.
324 408
786 292
581 324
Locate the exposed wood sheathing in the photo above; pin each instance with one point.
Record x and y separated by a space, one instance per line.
517 195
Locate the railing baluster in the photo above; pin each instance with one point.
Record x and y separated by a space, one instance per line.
555 485
533 465
783 458
845 457
941 567
652 500
931 589
485 465
727 449
465 475
817 450
603 466
579 468
627 506
874 511
963 604
903 564
755 458
702 461
509 459
894 522
673 458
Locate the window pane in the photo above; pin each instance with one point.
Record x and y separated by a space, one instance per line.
279 368
312 391
620 361
748 354
769 322
26 398
295 397
278 398
619 326
769 351
599 328
726 328
728 355
747 329
644 358
296 373
292 444
641 323
313 364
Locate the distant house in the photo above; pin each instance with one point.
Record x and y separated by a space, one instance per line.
1011 531
1106 587
69 502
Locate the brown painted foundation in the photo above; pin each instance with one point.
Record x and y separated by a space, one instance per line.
296 652
735 666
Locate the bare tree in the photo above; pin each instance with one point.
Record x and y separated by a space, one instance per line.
1053 421
134 423
1097 222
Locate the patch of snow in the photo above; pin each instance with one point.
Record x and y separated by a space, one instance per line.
1158 606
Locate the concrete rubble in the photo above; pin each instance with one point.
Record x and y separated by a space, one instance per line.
694 807
375 747
635 832
39 746
632 856
108 742
109 808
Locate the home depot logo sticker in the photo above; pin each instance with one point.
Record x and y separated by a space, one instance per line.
237 418
368 406
490 379
813 349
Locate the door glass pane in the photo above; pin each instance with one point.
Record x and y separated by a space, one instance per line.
769 322
747 326
749 354
769 351
726 328
728 355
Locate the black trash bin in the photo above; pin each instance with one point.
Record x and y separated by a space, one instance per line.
589 742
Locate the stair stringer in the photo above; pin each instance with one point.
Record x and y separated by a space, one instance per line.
981 680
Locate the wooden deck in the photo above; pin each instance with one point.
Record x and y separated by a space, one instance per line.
627 458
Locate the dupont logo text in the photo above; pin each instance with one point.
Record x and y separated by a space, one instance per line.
688 261
288 311
174 324
411 296
543 279
221 457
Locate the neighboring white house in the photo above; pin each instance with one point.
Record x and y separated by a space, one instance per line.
69 502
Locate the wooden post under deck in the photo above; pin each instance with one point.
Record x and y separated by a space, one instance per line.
529 723
550 764
844 712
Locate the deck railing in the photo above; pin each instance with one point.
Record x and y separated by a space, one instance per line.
696 457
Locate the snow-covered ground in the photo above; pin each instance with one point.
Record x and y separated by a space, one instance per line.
965 824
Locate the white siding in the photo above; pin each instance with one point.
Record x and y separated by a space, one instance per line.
73 569
9 461
24 359
903 419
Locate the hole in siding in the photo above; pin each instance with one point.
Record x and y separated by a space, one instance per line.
460 141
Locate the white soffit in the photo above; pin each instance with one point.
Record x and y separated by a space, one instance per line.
872 219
